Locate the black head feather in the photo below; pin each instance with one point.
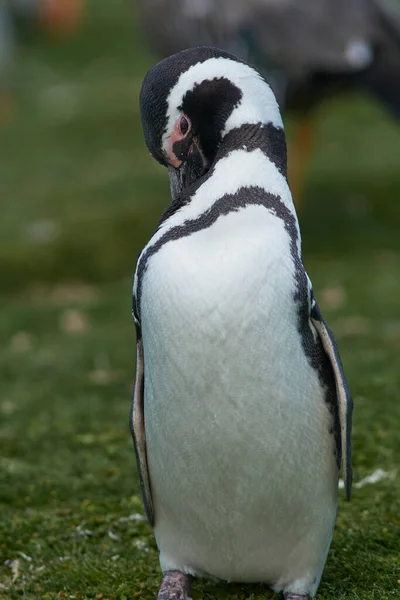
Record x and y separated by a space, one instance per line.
208 104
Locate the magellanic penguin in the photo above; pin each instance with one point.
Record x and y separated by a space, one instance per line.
241 412
309 50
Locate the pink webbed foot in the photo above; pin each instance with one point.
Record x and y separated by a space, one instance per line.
175 586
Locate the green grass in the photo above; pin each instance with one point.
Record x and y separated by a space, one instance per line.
79 197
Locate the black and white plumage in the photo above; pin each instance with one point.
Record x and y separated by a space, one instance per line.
309 50
241 412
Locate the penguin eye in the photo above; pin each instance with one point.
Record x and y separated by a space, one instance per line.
184 125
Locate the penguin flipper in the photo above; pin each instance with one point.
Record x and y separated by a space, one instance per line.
345 402
138 432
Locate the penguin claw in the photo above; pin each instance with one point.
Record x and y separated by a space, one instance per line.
175 586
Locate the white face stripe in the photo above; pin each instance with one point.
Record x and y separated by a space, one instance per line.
258 103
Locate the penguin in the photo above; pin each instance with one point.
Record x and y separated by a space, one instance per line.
311 51
241 414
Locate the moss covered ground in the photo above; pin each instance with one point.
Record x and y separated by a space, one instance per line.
79 197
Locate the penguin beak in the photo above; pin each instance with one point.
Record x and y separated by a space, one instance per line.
188 172
175 181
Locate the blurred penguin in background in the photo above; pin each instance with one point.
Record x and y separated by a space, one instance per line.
308 50
56 18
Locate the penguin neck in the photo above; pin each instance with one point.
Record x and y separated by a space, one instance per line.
267 137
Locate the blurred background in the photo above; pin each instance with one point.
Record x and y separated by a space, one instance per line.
79 197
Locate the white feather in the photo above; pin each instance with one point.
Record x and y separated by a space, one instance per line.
236 423
239 168
258 103
359 53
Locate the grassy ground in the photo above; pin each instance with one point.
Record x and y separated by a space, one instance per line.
79 197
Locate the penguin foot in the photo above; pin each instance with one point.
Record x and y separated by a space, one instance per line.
294 597
175 586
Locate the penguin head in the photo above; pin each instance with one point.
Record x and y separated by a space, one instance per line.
190 101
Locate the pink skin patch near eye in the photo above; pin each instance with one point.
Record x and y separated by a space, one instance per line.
177 136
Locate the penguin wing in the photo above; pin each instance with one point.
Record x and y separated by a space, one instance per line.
345 402
138 429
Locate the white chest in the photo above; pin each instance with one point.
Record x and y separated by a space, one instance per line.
229 271
235 416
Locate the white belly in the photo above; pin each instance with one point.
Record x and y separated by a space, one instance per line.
242 468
